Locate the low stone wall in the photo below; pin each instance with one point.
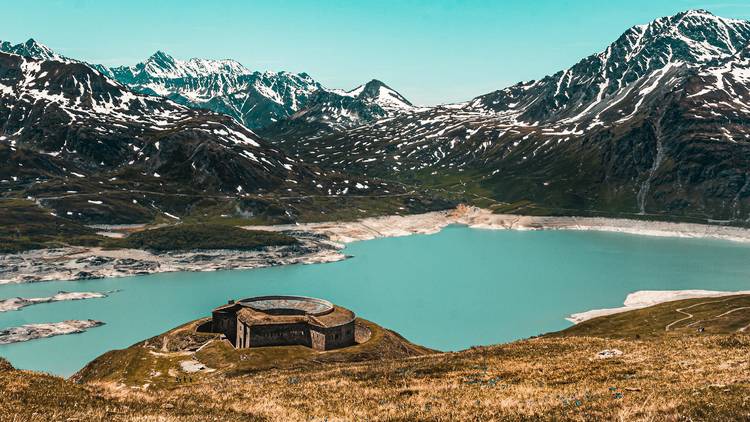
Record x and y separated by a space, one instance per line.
361 333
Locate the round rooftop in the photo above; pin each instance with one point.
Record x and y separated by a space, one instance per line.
299 305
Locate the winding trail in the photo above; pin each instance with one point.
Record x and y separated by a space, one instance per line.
690 316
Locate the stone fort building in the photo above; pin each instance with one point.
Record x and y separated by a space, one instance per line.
283 321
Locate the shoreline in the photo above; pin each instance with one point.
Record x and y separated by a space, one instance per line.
479 218
319 243
89 263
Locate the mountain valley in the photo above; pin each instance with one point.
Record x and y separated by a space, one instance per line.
656 126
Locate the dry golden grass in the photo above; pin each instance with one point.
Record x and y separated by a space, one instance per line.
673 378
720 315
676 375
155 363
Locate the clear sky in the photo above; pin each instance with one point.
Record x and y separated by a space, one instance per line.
431 51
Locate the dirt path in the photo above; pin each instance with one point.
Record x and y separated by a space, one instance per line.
689 315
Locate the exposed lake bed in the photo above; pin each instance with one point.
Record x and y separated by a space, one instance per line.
319 243
450 290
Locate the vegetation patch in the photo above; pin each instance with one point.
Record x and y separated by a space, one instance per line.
183 237
690 317
25 226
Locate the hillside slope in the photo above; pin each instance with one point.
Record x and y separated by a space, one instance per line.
94 151
679 374
657 124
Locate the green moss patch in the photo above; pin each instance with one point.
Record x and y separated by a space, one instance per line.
201 236
25 226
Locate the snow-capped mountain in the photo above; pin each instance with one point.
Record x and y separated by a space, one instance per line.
380 94
31 48
328 112
90 148
163 66
256 99
657 123
694 37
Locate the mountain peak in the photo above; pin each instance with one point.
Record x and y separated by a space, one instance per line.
695 12
375 83
377 92
161 57
689 38
32 48
692 36
161 65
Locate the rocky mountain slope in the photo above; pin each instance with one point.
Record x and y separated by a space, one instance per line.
92 149
32 49
656 124
257 99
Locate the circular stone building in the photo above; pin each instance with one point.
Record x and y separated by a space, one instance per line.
283 321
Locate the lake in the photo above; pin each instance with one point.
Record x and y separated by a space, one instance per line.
451 290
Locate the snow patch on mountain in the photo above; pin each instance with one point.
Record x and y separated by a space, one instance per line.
32 48
163 66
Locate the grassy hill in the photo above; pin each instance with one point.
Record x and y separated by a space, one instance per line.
653 374
721 315
156 362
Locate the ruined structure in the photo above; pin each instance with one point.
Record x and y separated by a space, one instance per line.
283 321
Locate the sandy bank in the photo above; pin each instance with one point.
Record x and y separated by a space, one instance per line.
392 226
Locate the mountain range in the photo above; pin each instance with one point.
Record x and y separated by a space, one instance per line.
93 150
256 99
656 125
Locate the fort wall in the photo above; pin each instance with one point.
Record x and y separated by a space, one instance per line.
285 321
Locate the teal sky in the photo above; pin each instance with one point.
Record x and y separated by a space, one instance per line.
431 51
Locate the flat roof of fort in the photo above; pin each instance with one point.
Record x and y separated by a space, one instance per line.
271 310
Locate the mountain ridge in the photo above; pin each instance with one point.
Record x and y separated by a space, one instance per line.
611 134
257 99
654 126
92 150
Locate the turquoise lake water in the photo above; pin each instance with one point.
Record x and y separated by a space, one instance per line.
449 291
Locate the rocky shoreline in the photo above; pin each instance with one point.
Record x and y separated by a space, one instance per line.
478 218
36 331
84 263
16 303
319 242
